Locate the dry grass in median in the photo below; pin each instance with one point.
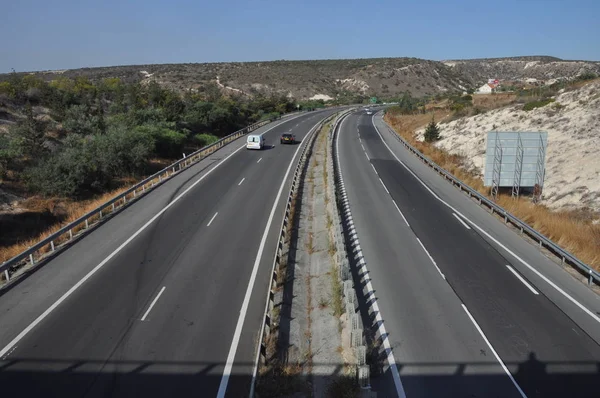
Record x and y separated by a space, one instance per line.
573 231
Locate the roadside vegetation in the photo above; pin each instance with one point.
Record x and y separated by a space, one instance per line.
576 231
67 143
76 138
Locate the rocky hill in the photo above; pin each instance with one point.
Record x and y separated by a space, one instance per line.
384 77
572 161
325 79
478 71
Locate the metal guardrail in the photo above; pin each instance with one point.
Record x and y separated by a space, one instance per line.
83 224
592 275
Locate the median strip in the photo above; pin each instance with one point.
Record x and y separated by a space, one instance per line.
308 343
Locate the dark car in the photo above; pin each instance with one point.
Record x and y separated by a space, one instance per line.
288 139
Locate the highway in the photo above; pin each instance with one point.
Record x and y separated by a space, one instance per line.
463 302
155 302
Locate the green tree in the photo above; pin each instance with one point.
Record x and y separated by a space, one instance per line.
173 106
168 143
29 135
90 165
7 89
432 132
9 152
84 120
155 93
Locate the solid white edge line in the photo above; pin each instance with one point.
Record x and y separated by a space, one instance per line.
494 352
378 317
153 303
367 155
461 221
384 187
511 269
402 214
431 258
62 298
240 323
526 264
212 219
258 161
241 181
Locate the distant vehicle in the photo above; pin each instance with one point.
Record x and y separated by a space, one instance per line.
255 141
369 112
288 138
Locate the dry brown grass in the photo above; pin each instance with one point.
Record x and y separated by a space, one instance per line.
493 101
73 210
572 232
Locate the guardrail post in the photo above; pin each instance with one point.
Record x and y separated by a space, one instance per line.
134 191
87 224
159 178
124 199
31 259
70 234
591 278
52 245
100 213
6 275
113 207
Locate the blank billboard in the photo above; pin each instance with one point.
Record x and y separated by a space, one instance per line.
533 150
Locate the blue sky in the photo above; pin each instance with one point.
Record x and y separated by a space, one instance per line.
63 34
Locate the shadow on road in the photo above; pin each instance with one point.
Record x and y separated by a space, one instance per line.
40 377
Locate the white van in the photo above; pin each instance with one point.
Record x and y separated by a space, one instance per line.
255 141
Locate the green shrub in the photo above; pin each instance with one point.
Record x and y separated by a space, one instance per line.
587 76
81 119
90 165
168 143
271 115
9 152
203 140
537 104
432 132
7 89
29 135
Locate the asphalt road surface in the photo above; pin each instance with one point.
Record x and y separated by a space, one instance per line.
465 317
153 306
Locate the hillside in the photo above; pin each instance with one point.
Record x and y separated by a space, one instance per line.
341 79
384 77
478 71
573 157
